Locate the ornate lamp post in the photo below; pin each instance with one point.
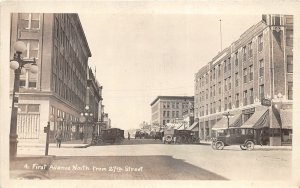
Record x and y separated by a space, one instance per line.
84 118
228 115
17 64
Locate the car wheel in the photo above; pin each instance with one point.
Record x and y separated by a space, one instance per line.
243 147
219 145
249 145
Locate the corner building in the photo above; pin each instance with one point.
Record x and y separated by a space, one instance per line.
259 65
58 92
165 109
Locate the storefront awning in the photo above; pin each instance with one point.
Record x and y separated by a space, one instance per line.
233 122
286 118
193 126
257 120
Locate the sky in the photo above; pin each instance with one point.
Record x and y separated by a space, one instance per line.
141 56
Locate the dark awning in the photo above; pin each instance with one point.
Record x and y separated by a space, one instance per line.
286 118
193 126
233 122
257 120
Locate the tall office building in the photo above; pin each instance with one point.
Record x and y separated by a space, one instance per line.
259 65
58 92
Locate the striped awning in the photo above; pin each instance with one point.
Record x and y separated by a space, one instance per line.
235 121
258 120
193 126
286 118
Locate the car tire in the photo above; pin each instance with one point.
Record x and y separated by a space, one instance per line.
249 145
219 145
243 147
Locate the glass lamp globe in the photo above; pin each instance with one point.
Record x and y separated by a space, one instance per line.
34 69
86 114
87 107
81 114
20 46
14 65
91 114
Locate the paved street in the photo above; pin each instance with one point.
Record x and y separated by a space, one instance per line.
158 161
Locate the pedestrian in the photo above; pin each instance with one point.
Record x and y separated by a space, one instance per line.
128 136
58 136
262 137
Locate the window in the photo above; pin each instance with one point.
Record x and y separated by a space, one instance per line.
276 20
289 61
289 37
250 46
173 114
261 68
229 83
245 97
164 122
219 102
251 96
177 114
30 21
229 102
236 79
290 90
225 66
260 43
251 73
236 59
168 114
244 53
214 73
262 92
225 84
219 70
237 102
28 80
289 20
229 64
32 49
225 103
245 75
164 113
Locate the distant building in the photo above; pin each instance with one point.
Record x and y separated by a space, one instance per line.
58 92
167 109
259 65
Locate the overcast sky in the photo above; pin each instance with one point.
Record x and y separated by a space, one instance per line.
141 56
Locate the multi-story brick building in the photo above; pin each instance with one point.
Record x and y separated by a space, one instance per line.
58 92
259 65
166 109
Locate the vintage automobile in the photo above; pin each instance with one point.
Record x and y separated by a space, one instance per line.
234 136
186 137
169 136
179 136
111 136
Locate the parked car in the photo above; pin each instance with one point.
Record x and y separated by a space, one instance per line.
234 136
111 136
180 136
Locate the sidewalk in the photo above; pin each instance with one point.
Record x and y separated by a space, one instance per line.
66 144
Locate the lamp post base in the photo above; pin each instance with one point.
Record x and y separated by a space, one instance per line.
13 143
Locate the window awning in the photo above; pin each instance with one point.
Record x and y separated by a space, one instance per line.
193 126
257 120
286 118
235 121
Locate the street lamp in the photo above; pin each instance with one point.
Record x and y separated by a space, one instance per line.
228 115
17 64
85 117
